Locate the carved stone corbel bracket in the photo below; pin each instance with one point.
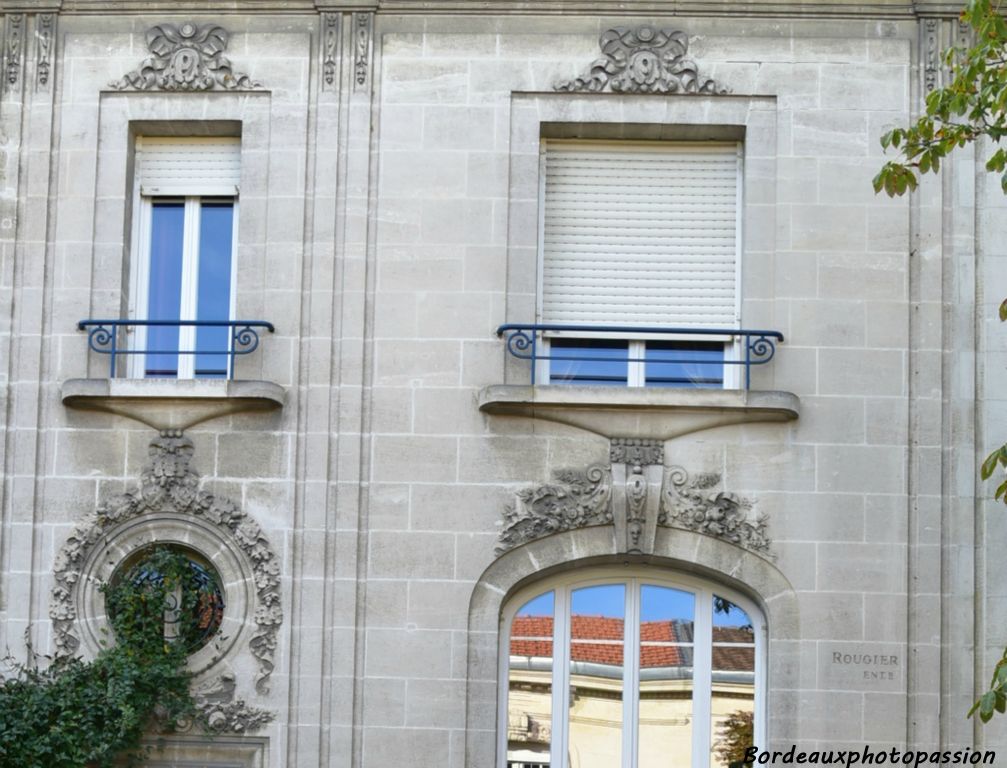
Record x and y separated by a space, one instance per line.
643 60
637 474
635 494
186 58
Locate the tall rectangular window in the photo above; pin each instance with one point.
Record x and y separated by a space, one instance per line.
642 235
183 285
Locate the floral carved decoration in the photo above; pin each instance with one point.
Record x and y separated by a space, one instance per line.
186 58
169 485
636 494
692 503
643 60
220 712
576 499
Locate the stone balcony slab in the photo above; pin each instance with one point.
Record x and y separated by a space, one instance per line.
171 403
658 414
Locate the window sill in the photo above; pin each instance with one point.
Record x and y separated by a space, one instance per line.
170 403
643 412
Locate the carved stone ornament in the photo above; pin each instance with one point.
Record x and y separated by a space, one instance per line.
931 65
693 504
577 499
186 58
643 60
361 46
636 451
636 494
220 712
13 35
330 47
169 485
44 38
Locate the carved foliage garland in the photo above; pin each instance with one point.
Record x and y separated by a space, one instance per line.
643 60
635 494
169 484
330 36
43 37
186 58
361 44
692 503
577 498
12 43
220 712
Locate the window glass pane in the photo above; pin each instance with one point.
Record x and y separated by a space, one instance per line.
214 295
666 678
588 362
164 290
685 364
597 627
733 695
529 698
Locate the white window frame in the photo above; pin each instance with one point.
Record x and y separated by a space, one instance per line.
636 372
193 195
563 587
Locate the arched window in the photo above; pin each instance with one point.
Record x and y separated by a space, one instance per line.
657 671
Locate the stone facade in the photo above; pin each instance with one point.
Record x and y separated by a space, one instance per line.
369 506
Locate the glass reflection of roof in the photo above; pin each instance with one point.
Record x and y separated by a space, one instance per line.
598 639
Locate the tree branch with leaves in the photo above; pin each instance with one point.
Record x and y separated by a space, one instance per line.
971 107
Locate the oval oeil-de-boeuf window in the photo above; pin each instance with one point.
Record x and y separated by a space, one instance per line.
654 673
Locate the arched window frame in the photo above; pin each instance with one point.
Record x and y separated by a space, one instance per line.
563 586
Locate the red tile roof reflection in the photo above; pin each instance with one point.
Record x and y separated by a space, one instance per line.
527 633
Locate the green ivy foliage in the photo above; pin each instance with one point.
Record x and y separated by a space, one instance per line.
75 713
972 106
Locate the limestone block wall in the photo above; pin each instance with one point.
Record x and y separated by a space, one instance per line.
389 214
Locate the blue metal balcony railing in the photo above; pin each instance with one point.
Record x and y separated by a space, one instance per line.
757 346
103 336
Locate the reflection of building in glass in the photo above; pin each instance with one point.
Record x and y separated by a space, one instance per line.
602 657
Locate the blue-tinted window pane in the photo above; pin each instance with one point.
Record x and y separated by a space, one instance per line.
214 299
685 364
164 290
592 362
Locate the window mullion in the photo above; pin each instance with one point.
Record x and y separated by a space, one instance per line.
560 677
702 679
140 286
636 373
631 677
232 310
190 288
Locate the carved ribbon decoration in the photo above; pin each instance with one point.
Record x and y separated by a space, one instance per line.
185 58
643 60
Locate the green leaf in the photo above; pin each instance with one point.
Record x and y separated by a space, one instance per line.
989 465
1003 310
987 703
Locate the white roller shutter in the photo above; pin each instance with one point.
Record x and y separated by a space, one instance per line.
641 233
188 166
